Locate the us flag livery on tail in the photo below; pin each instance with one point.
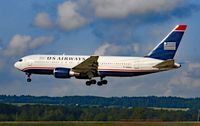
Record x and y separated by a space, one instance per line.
161 58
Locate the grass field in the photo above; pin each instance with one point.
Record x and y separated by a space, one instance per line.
87 123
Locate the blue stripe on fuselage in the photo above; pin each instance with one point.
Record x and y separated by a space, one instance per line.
39 71
102 73
123 74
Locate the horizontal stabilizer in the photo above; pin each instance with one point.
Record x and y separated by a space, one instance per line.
167 64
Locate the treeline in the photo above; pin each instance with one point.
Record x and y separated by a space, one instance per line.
151 101
43 112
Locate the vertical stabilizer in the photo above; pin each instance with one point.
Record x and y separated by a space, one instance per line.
167 48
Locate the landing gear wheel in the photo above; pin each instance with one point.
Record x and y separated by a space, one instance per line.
104 82
28 79
99 83
88 83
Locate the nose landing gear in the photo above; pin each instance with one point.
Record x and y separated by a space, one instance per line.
28 77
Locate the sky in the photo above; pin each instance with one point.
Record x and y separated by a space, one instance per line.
98 27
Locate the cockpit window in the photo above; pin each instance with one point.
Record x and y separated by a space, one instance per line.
20 60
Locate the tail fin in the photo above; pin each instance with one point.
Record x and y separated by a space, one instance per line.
167 48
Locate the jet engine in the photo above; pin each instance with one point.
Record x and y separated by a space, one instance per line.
63 73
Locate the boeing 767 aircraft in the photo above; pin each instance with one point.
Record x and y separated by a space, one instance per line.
161 58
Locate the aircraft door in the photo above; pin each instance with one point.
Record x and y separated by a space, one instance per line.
136 65
30 62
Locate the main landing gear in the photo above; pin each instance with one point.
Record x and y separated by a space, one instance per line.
99 83
88 83
28 77
102 82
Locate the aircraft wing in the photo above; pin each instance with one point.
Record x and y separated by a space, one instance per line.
88 67
167 64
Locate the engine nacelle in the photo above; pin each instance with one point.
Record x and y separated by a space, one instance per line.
63 73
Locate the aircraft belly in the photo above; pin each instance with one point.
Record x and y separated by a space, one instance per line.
124 74
39 71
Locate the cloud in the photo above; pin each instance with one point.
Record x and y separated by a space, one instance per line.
113 49
75 14
43 40
119 20
1 45
102 49
194 66
19 44
121 8
42 20
194 70
2 63
187 83
68 16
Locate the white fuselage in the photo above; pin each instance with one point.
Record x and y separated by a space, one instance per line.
107 65
161 58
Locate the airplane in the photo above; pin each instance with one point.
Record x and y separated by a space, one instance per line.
161 58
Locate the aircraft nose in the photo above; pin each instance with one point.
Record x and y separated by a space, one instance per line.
16 65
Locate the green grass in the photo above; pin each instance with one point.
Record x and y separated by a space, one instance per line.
87 123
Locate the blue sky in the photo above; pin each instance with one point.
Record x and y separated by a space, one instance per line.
104 27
